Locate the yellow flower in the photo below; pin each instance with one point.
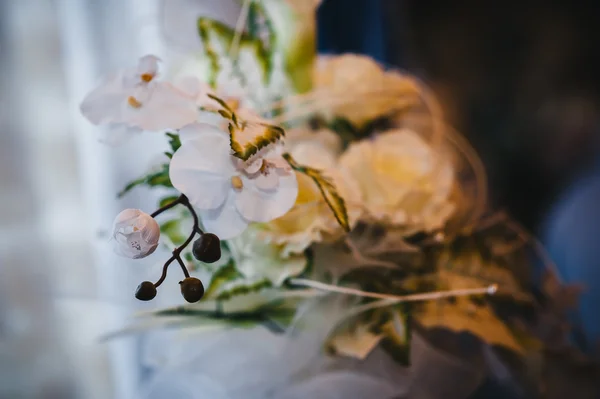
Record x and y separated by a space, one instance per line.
357 88
310 219
404 182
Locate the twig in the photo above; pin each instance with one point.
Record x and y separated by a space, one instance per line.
168 206
183 200
239 29
489 290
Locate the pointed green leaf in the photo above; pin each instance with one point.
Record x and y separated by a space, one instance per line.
397 334
248 137
172 229
335 202
174 141
219 278
159 178
216 39
168 200
260 26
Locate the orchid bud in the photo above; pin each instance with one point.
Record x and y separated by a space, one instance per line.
135 234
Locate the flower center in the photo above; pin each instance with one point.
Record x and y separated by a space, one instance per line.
133 102
266 167
146 77
236 183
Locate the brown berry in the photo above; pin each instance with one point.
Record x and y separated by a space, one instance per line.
207 248
146 291
192 289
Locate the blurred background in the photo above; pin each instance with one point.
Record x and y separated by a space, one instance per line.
519 79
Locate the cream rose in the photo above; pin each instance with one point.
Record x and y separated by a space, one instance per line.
357 88
310 219
404 182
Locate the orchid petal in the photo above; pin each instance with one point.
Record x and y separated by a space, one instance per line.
165 108
148 64
263 206
194 131
269 181
103 105
225 221
201 169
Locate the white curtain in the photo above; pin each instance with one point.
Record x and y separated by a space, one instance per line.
61 288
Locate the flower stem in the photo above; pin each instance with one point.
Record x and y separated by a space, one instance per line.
183 200
427 296
239 29
169 206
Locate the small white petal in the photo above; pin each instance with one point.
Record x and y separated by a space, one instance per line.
254 166
148 64
165 108
104 104
267 182
226 222
258 205
191 86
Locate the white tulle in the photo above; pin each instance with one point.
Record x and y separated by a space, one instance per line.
258 364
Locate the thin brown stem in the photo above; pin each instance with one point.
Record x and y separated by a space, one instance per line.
183 268
169 206
164 272
183 200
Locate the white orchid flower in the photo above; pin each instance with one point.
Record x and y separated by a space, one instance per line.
229 192
135 234
134 100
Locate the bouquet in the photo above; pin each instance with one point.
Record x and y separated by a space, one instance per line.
330 229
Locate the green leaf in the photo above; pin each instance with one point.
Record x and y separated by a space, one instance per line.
260 26
219 278
174 141
154 179
168 200
172 229
335 202
462 314
216 39
248 137
259 259
228 282
397 335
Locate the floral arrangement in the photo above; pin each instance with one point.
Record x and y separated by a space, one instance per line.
291 176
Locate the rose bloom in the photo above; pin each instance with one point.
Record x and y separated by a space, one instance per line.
357 88
404 182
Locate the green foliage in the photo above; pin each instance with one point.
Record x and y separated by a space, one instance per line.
247 138
172 229
217 37
159 178
335 202
174 144
168 200
397 333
